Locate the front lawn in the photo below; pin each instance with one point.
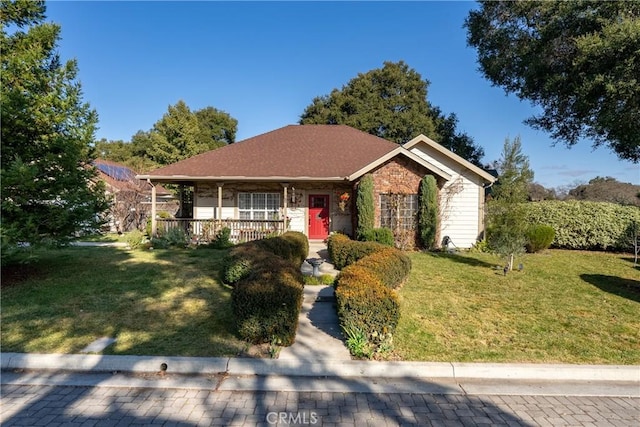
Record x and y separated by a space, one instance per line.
564 307
162 302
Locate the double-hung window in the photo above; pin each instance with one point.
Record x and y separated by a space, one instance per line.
259 206
398 211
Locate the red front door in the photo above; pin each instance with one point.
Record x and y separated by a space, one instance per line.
318 216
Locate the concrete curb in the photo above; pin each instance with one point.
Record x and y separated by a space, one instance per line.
319 368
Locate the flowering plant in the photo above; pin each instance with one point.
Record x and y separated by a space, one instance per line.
344 198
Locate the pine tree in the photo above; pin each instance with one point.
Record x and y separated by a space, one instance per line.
507 222
48 189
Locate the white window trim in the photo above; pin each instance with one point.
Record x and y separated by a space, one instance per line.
269 214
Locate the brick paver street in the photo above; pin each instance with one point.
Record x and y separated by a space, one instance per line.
28 405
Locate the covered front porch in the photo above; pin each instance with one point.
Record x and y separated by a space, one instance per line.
205 230
253 209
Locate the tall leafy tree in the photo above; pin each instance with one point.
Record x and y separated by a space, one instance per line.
48 193
217 128
391 102
182 133
175 136
506 216
577 60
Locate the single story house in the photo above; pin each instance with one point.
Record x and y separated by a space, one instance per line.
305 177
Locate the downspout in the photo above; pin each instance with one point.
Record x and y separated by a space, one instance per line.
484 209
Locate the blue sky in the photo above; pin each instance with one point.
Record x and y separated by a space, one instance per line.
264 62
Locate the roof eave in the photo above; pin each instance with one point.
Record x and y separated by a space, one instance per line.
450 154
179 178
392 154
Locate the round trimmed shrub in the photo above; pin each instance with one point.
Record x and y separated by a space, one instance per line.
344 251
539 237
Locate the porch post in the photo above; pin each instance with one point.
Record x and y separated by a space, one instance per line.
285 207
220 185
154 223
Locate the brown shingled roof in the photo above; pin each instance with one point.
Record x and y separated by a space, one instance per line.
292 152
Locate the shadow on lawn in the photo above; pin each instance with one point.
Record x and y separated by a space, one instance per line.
462 259
168 307
626 288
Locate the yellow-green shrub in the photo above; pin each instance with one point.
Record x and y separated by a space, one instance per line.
344 251
292 246
366 304
390 265
539 237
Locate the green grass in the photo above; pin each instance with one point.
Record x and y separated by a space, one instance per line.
162 302
564 307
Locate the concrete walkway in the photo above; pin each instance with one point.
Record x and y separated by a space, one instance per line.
319 336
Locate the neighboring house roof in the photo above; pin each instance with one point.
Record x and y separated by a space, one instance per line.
294 153
450 154
120 177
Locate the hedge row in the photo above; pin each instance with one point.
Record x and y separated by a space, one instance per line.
344 251
245 258
585 225
365 289
267 304
267 293
381 235
389 265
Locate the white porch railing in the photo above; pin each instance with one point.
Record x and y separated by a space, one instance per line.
205 230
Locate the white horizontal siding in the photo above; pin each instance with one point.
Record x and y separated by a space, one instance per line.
203 212
297 219
459 199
